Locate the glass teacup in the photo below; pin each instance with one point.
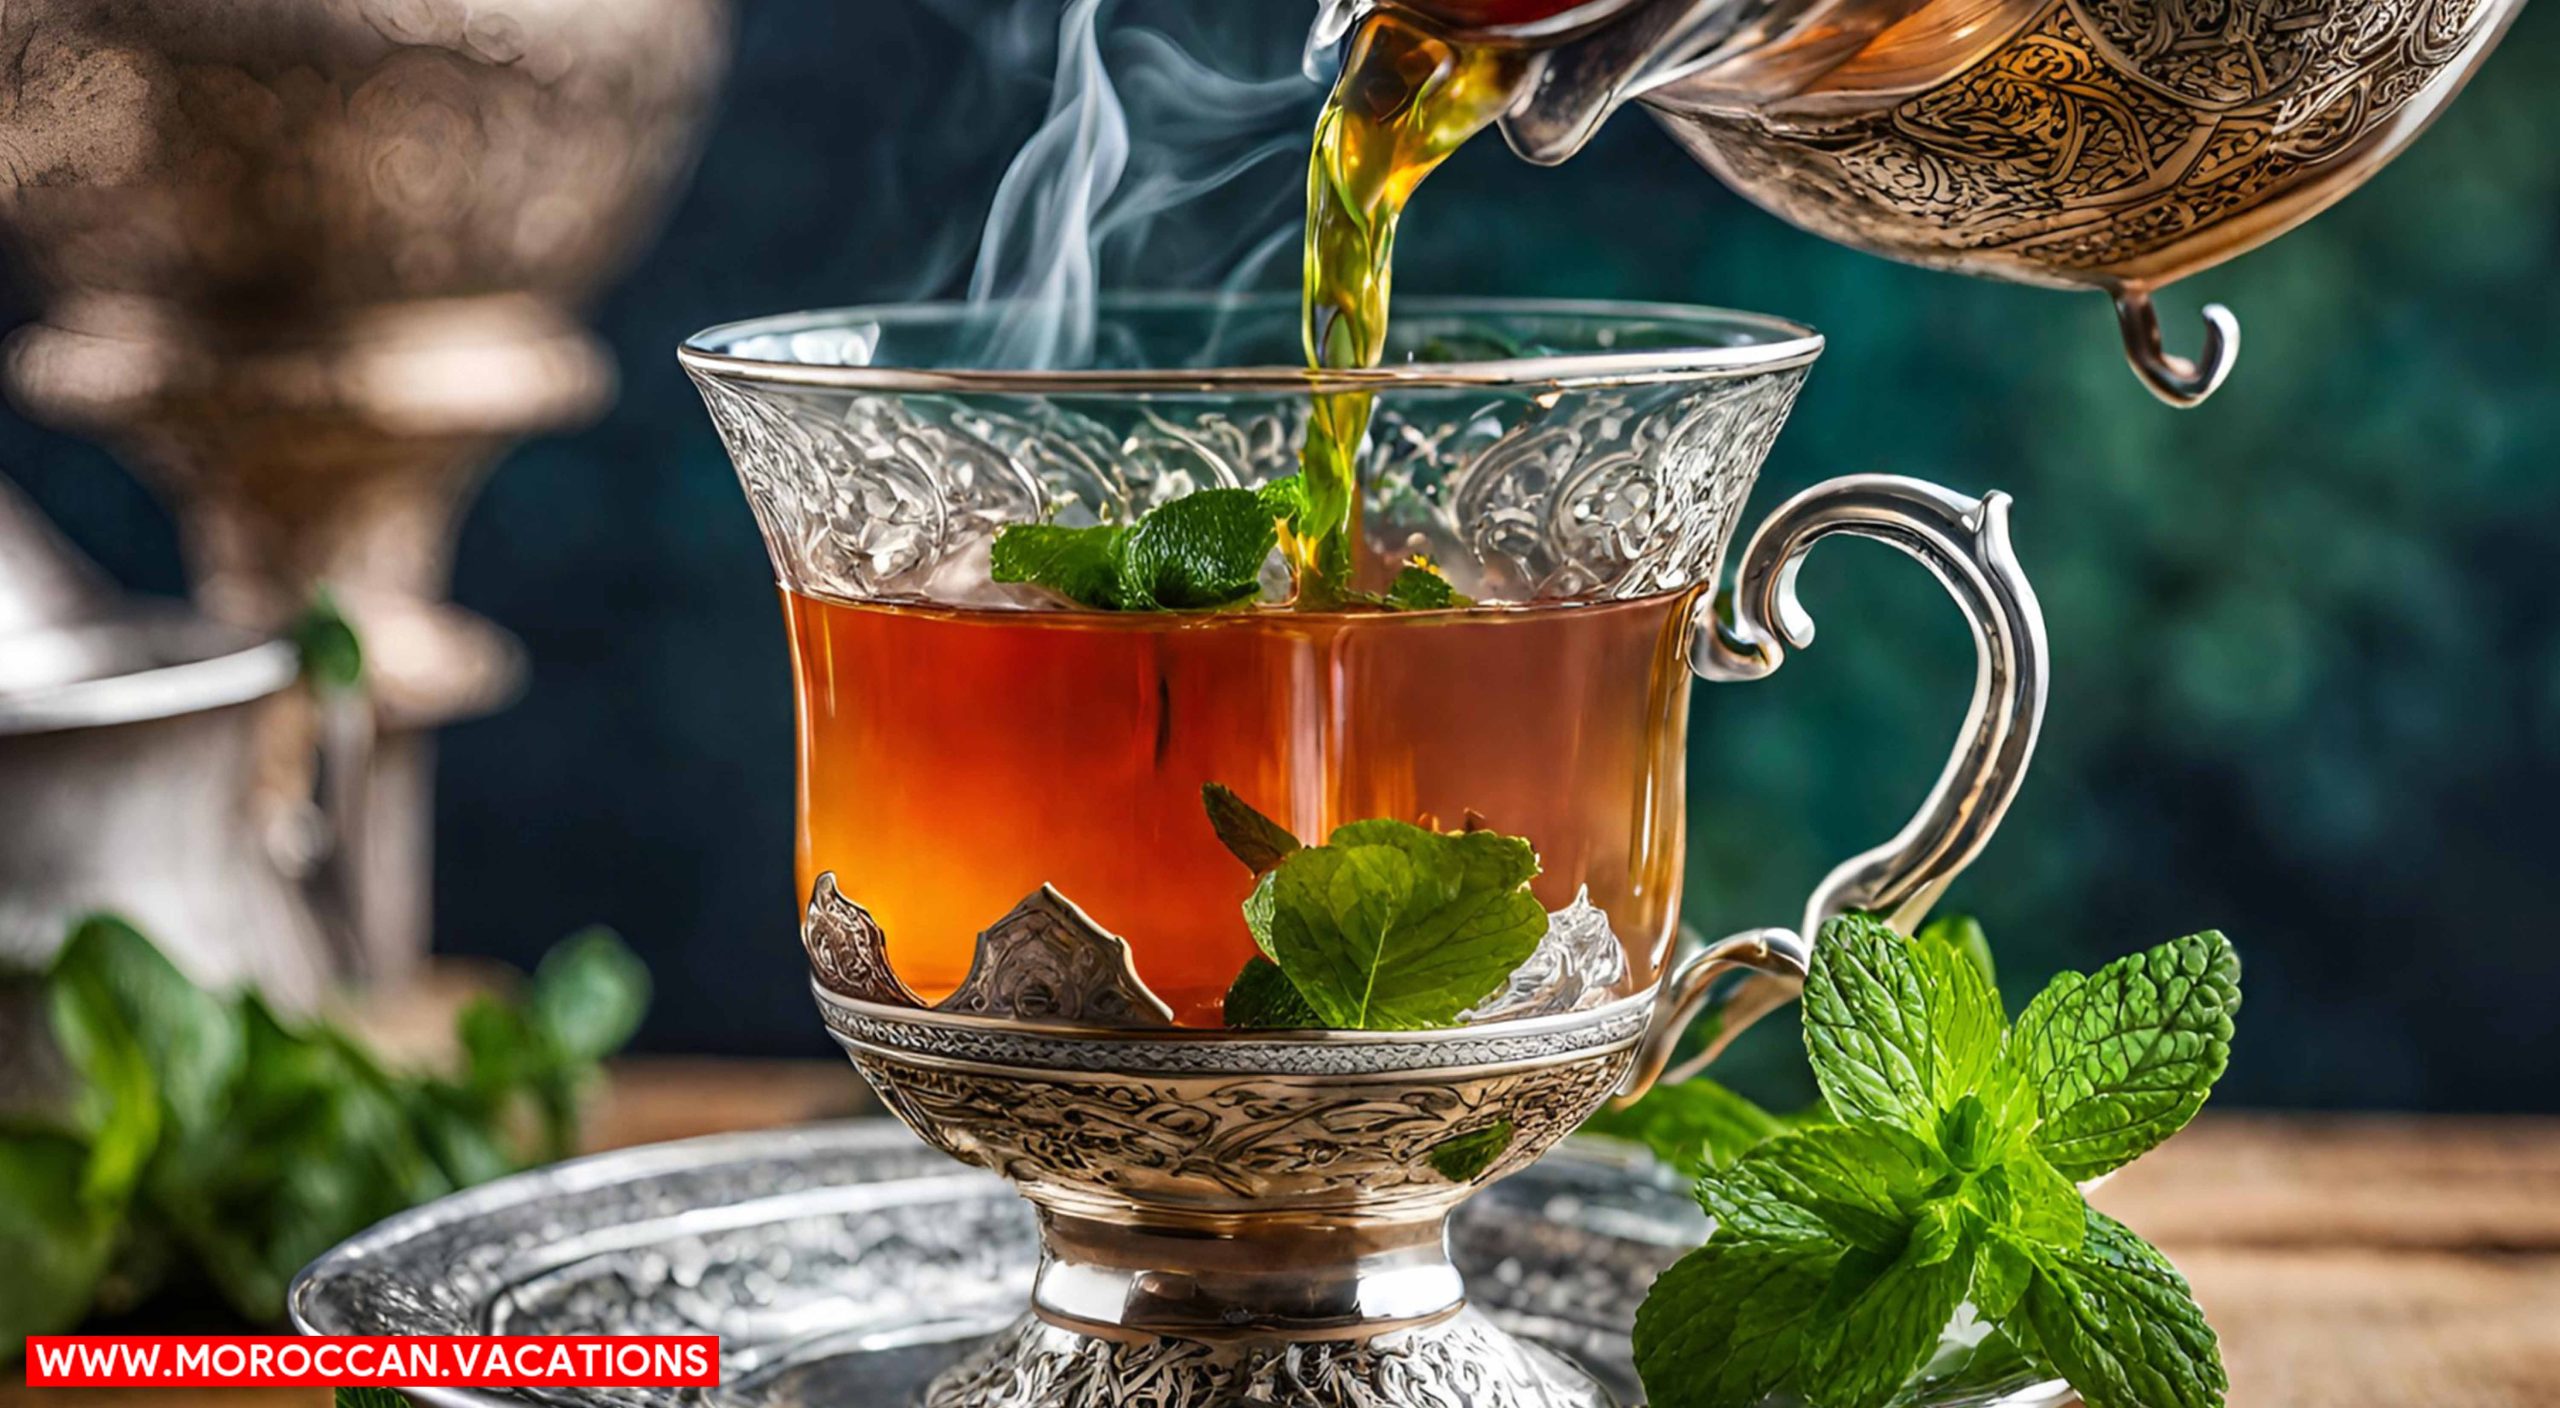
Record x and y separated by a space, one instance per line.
1021 921
1574 471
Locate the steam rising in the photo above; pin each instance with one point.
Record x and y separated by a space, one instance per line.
1139 124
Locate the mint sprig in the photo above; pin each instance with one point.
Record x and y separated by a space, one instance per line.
1387 926
1945 1178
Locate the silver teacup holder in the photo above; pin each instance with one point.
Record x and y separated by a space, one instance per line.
1260 1217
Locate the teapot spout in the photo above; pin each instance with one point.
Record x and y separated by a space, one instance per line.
1585 79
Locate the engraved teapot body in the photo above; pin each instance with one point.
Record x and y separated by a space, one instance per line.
2109 144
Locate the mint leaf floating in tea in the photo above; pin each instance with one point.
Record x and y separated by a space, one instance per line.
1204 551
1391 927
1080 564
1248 835
1420 587
1199 552
1388 926
1842 1251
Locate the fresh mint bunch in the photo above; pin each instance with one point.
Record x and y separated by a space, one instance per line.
1945 1176
1201 552
203 1131
1387 926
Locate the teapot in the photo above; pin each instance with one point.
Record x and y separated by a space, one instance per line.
2116 145
139 757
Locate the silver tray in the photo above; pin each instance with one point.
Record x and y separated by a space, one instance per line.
843 1265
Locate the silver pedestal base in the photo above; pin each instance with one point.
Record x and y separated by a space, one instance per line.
1463 1361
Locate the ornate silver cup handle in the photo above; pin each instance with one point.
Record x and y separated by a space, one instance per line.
1964 542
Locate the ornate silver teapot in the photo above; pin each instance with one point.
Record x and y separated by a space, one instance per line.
2110 144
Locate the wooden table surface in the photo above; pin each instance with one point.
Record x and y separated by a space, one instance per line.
2349 1262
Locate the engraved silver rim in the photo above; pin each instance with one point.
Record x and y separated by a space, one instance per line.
1773 344
1012 1043
1543 1024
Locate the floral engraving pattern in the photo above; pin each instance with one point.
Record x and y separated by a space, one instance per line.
847 950
1464 1362
1240 1139
1614 1024
1591 494
2103 135
1047 961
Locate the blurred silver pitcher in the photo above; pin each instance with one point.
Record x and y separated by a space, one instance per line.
2109 144
130 757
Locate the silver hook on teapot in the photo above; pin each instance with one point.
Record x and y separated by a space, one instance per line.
2174 379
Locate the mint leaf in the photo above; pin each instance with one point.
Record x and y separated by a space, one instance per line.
1263 997
1248 835
1878 1327
2001 1271
1841 1252
1420 587
1897 1029
2118 1321
1200 551
112 976
209 1130
1725 1326
117 1103
1860 1184
55 1242
1695 1126
2027 1194
368 1398
1963 933
1391 927
1461 1157
589 995
332 657
1811 1231
2122 1058
1080 564
1286 498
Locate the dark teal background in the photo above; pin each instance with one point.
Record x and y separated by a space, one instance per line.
2306 638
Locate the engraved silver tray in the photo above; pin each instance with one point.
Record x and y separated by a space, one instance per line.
844 1265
